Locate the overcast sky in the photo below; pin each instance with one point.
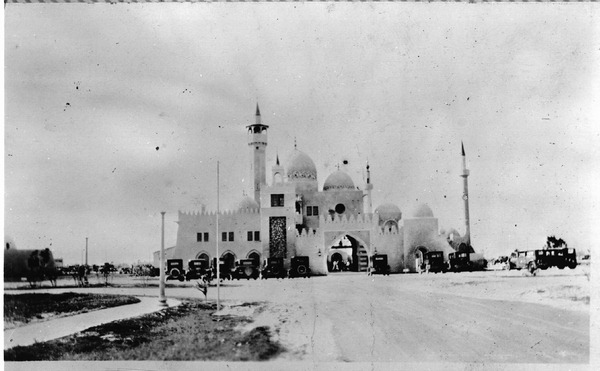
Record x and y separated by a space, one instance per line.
114 113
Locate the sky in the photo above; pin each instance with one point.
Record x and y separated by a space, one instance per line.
114 113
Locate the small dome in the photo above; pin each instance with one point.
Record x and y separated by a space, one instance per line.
338 180
422 211
388 212
301 167
248 203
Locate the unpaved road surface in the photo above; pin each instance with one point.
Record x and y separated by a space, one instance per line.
490 317
364 319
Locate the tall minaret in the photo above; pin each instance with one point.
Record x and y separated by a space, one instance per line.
465 175
257 141
369 188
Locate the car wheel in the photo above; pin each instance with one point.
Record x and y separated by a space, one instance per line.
301 269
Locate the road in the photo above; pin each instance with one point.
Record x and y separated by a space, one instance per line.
406 318
372 322
356 318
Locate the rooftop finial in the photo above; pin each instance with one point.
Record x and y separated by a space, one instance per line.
257 110
277 159
462 147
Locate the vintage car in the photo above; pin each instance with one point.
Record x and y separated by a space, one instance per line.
175 270
561 258
224 269
380 264
543 259
458 262
197 268
299 267
434 262
246 268
273 269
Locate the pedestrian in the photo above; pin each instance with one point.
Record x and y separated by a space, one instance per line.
202 286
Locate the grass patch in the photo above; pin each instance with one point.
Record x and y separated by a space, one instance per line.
187 332
25 308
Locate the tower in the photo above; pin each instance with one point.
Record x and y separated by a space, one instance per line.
369 188
465 175
257 141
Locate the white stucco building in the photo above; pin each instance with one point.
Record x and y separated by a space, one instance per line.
290 216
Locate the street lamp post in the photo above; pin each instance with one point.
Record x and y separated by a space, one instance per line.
218 260
161 298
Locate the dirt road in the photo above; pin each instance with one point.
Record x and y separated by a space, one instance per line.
390 323
412 318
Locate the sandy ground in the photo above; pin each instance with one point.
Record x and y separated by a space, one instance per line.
498 316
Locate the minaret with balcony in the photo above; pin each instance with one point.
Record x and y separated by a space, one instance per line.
257 141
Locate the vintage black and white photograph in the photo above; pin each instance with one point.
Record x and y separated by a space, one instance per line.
301 185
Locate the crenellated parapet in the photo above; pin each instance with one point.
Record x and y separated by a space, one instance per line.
346 222
307 234
203 213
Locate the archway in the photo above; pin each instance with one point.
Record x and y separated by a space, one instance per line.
228 259
203 256
420 254
255 256
336 262
354 252
390 226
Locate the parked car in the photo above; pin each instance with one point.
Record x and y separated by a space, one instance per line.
299 267
273 269
246 268
198 268
380 264
175 270
434 262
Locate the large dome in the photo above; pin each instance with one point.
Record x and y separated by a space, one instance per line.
338 180
248 203
301 167
422 211
388 212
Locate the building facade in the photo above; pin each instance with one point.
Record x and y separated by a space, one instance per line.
290 216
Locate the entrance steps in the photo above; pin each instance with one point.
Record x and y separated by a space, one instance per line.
363 260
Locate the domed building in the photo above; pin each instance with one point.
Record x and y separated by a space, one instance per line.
248 203
290 216
389 216
338 180
422 211
301 167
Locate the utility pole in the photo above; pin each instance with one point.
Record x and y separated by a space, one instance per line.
86 252
161 298
218 260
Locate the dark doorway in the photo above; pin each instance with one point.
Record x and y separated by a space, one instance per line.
255 257
228 260
337 263
358 258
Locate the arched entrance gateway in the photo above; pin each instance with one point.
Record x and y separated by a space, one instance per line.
347 253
